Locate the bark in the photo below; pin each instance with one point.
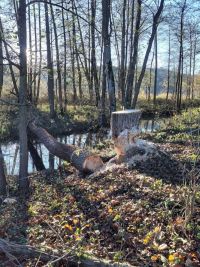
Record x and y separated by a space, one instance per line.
194 65
36 56
40 55
107 62
133 60
168 68
150 79
2 175
37 160
77 58
30 74
8 58
65 60
60 98
15 160
89 54
1 62
23 110
85 65
94 72
179 81
156 18
49 65
72 52
81 159
122 64
156 69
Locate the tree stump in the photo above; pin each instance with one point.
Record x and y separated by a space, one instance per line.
124 128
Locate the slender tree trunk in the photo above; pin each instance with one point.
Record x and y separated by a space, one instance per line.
154 28
85 61
23 110
156 69
37 160
194 66
2 175
122 64
30 74
65 60
40 55
91 92
1 62
72 51
106 5
179 82
60 98
150 79
15 160
49 65
77 58
94 72
10 65
168 68
133 60
36 56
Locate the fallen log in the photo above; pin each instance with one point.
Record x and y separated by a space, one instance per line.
81 159
13 251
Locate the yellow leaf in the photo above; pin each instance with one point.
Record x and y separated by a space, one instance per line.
77 238
157 229
146 240
155 257
171 258
68 227
110 210
75 221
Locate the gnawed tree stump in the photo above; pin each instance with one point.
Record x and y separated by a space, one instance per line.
124 129
81 159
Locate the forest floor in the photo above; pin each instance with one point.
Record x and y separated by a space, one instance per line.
148 215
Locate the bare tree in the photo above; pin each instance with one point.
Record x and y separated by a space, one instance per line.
23 168
107 62
133 60
49 64
156 18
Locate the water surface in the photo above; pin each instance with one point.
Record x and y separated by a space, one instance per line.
11 149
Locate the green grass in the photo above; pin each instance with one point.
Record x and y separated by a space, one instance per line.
180 128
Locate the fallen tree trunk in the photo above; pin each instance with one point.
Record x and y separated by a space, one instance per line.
82 160
12 251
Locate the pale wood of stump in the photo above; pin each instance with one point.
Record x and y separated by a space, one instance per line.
125 119
122 124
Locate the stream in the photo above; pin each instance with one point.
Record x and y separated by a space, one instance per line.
11 150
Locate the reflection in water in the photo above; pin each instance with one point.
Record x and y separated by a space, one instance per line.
11 150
